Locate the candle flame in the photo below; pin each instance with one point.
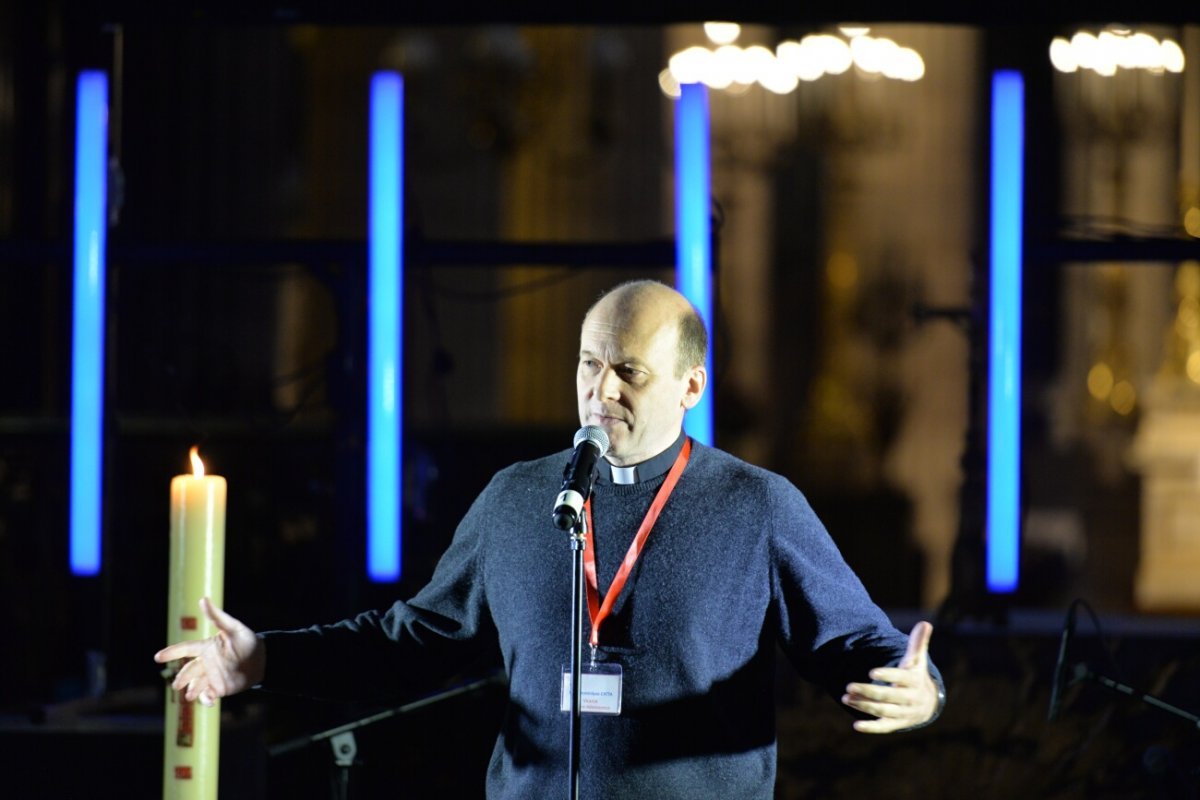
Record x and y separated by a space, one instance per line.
197 464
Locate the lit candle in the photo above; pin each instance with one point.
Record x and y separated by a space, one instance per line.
197 569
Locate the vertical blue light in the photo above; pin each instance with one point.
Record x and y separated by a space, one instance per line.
693 232
385 335
87 331
1004 335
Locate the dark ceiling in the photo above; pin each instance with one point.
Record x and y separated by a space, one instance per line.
398 12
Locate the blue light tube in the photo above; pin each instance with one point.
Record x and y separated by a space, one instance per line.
385 336
1004 335
87 332
693 233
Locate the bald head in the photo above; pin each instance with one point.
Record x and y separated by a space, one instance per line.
641 367
646 305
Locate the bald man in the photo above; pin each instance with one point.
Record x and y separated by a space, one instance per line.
699 564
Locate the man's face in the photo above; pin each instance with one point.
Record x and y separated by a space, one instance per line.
626 379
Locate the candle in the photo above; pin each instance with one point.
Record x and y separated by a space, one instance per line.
197 569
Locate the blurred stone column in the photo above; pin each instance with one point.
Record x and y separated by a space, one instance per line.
888 402
1166 448
900 230
1120 168
748 125
923 211
585 133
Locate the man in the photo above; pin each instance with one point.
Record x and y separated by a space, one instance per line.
735 562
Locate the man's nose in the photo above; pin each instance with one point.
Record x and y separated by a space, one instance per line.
608 384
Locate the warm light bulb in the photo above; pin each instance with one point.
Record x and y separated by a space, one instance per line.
1172 56
1193 366
1116 48
1191 222
722 32
850 31
197 464
691 65
1124 398
668 84
1062 56
1085 46
1100 381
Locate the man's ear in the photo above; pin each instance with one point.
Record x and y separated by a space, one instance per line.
697 381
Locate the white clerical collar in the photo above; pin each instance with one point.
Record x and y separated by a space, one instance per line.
623 475
647 470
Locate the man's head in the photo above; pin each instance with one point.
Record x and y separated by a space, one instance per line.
641 366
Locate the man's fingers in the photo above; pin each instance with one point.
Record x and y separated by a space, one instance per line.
179 650
892 710
193 647
879 701
188 673
197 684
223 621
883 694
902 696
878 725
918 645
882 709
898 676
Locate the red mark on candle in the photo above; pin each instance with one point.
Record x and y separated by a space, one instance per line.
188 623
183 773
183 734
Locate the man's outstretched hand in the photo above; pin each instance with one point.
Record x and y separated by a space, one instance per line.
232 660
904 696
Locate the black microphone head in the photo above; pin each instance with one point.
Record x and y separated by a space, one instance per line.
578 476
594 434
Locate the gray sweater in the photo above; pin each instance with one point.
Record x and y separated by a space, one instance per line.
736 563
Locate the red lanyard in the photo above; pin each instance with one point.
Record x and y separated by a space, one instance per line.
600 612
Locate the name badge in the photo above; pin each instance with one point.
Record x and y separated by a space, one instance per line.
599 688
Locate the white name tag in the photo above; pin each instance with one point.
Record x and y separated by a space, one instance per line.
599 687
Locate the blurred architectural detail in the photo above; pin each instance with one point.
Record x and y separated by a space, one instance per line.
747 130
1120 157
1166 449
519 134
889 401
583 168
306 310
545 190
887 404
1109 379
905 210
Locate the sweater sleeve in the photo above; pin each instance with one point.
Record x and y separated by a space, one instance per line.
410 647
831 630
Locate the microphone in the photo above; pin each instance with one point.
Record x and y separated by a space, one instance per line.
1059 684
591 443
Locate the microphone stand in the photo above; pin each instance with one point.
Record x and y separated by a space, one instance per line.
345 747
1081 671
1084 672
570 513
578 545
